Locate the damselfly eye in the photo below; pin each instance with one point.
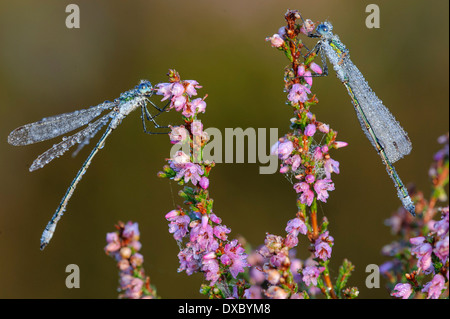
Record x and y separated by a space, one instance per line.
322 29
144 88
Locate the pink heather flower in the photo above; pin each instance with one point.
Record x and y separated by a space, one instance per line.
402 291
276 40
325 149
131 230
203 237
302 72
198 106
296 266
179 102
282 31
296 161
178 134
301 187
340 144
315 68
136 285
307 195
273 244
215 219
204 182
225 260
137 260
322 187
210 255
324 128
291 241
190 172
179 226
135 244
395 222
434 287
323 251
220 232
325 236
422 250
441 227
188 261
309 179
177 89
236 254
191 87
296 226
113 242
172 215
205 220
298 93
323 245
443 139
254 292
441 250
307 27
265 251
123 264
310 275
331 166
278 259
179 160
318 155
284 169
197 128
282 149
310 130
273 276
132 286
165 90
275 292
125 252
386 267
211 268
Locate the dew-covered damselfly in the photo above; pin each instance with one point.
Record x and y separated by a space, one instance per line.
381 128
54 126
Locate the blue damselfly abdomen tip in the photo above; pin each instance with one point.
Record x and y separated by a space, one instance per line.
412 210
409 205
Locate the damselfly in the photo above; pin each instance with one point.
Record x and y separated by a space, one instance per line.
381 128
54 126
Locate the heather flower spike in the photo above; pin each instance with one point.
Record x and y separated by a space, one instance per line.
420 265
202 238
305 160
124 245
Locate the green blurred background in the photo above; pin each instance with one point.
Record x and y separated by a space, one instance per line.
47 69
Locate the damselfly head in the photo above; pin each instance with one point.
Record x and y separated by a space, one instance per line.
324 29
145 87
